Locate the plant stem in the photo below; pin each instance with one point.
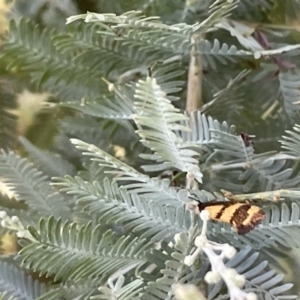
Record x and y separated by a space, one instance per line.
194 89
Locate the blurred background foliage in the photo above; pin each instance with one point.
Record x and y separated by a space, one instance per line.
265 114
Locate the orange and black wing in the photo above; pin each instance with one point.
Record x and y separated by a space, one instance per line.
242 216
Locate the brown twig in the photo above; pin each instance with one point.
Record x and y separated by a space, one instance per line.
273 196
194 88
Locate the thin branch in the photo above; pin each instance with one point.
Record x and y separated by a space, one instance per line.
228 166
194 88
273 196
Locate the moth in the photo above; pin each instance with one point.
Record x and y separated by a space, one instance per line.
242 216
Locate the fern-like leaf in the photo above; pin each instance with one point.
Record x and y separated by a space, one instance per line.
291 142
289 86
8 121
70 290
33 49
123 173
219 10
118 291
31 186
49 163
113 205
16 283
167 75
260 174
134 19
69 252
157 120
229 99
217 141
16 208
265 283
172 270
163 42
116 107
